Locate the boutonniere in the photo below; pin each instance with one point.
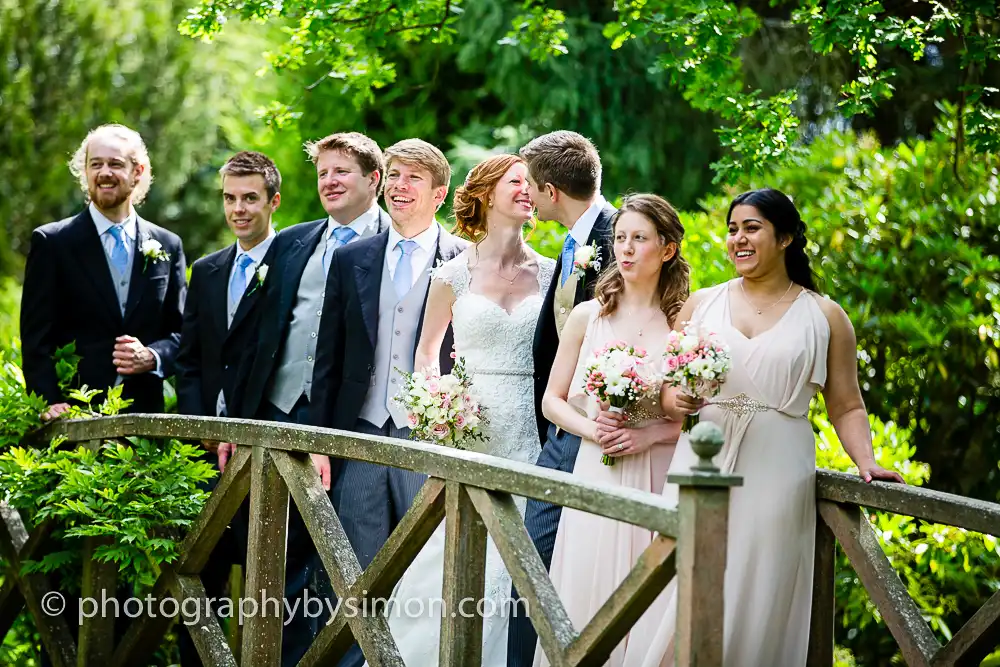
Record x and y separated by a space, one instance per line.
261 275
152 249
585 258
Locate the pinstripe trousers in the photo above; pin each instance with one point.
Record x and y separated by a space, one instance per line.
370 500
542 521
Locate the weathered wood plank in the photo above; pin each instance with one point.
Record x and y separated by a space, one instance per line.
265 561
915 501
464 579
218 512
381 575
371 632
206 634
234 634
96 637
701 568
505 525
821 622
916 641
38 594
145 633
472 468
975 640
646 581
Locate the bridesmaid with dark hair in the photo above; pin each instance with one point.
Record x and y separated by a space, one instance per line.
787 343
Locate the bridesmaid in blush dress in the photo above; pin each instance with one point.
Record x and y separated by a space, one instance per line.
635 301
787 343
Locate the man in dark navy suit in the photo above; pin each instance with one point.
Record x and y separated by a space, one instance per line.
106 279
275 380
224 286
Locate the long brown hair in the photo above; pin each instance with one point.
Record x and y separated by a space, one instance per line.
470 202
675 275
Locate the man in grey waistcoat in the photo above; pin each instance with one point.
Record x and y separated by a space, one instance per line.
376 294
276 381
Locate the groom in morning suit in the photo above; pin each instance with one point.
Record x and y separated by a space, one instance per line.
223 289
376 292
564 180
106 279
276 381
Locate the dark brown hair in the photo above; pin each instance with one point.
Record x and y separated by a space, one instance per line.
675 274
248 163
472 198
565 159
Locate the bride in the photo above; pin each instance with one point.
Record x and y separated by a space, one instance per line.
491 294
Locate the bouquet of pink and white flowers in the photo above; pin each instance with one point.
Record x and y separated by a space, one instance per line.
621 375
442 408
698 361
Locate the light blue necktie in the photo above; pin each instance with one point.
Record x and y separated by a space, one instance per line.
119 253
342 235
569 249
403 280
238 284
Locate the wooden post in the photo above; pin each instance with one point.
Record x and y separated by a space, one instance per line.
464 580
265 563
701 552
823 603
96 643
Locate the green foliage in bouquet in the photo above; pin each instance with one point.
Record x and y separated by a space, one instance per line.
140 493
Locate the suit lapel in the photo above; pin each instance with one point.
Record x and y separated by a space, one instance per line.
368 280
218 291
140 269
94 261
600 234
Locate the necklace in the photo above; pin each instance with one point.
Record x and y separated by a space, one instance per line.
761 310
646 323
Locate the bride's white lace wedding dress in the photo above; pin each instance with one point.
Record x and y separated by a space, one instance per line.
496 346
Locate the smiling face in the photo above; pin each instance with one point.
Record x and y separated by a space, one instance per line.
639 250
111 174
344 189
248 210
510 197
410 195
753 244
540 195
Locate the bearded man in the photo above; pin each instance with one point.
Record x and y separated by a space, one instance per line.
107 280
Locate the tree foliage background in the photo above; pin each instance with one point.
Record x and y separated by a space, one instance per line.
879 118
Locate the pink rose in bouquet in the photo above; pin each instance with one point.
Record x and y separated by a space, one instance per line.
442 408
698 361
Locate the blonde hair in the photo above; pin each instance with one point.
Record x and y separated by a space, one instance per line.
419 153
674 285
137 153
472 198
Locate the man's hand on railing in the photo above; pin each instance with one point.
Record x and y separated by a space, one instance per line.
225 451
54 411
322 465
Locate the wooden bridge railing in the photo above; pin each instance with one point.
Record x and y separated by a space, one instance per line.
473 493
840 500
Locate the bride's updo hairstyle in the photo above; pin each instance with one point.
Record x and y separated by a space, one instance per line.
675 274
471 200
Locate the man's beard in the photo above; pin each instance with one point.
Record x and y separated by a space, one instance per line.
109 199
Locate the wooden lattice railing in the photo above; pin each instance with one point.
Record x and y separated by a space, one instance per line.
840 499
472 493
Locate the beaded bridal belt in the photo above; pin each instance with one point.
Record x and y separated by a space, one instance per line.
523 372
741 404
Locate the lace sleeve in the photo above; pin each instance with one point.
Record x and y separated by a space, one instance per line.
454 273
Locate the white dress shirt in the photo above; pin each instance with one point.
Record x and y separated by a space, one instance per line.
422 255
360 225
581 230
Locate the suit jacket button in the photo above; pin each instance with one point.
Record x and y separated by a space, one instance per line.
562 311
397 332
399 310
